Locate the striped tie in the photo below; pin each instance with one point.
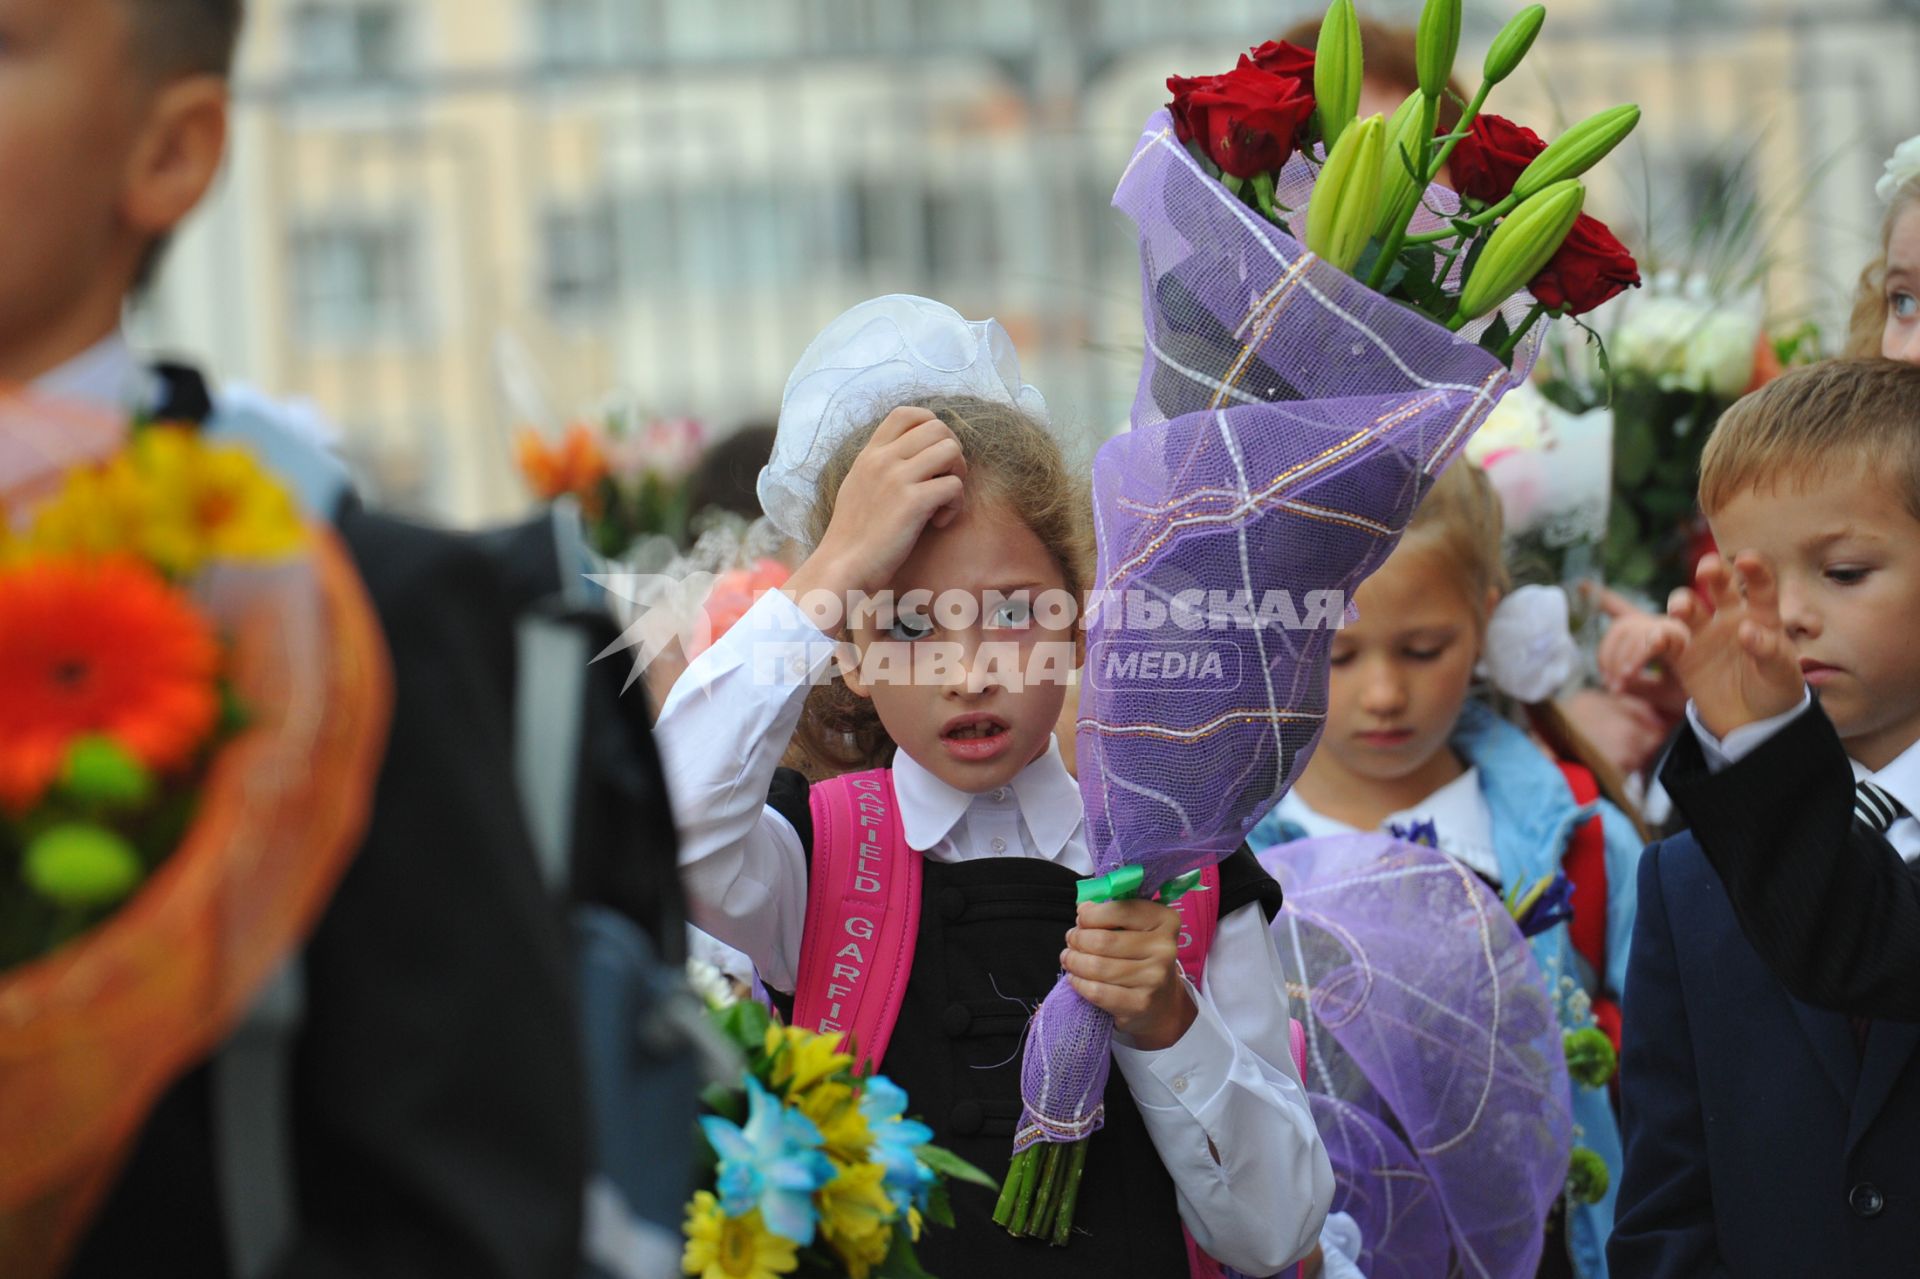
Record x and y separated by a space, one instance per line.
1874 808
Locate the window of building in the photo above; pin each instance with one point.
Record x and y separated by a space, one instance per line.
347 42
580 262
357 281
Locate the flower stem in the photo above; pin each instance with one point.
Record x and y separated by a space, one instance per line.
1010 1189
1049 1184
1028 1189
1070 1193
1460 129
1512 344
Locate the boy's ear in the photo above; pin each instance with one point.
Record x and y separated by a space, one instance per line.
177 154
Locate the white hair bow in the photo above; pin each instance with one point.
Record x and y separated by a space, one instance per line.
875 357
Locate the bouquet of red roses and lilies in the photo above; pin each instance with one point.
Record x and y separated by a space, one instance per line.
1325 328
1517 221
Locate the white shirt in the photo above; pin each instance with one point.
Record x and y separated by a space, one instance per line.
105 375
1900 778
1462 822
1229 1080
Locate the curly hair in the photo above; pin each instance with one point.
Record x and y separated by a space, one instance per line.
1013 463
1868 322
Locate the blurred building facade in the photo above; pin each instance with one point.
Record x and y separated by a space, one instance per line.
667 198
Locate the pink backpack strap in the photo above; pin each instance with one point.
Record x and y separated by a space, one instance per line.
1199 922
863 915
1199 913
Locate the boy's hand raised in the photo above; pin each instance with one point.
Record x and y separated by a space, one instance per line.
1124 957
1627 628
1737 664
911 474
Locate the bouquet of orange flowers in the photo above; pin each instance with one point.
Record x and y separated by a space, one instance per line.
193 699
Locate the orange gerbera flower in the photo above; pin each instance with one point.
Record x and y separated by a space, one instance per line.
576 464
104 647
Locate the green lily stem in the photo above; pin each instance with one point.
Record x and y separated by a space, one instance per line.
1049 1185
1440 162
1512 344
1029 1183
1480 219
1070 1193
1010 1190
1390 251
1402 219
1460 130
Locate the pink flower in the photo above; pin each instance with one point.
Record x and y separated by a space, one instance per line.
669 448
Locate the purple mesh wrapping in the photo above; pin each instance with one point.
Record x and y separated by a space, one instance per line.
1380 1184
1431 1039
1288 421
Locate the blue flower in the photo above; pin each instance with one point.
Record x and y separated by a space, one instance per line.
1544 903
1424 834
774 1164
896 1142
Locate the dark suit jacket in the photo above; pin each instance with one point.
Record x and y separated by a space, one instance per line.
439 1121
1759 1140
625 848
1829 905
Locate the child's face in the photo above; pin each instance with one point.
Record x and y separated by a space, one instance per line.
70 108
972 699
1847 555
1401 672
1901 338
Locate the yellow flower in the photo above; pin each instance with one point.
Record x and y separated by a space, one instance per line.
99 511
722 1247
174 500
857 1217
836 1113
214 502
802 1058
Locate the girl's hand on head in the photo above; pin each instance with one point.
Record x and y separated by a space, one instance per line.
1123 958
1736 662
910 474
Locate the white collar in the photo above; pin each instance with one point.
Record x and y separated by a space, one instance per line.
1900 778
105 375
1461 820
1048 796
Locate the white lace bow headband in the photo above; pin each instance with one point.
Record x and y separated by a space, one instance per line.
875 357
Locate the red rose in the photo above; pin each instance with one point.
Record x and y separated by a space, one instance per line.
1248 121
1591 266
1182 88
1491 158
1282 58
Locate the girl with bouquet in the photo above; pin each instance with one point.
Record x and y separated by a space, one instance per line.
966 502
1410 750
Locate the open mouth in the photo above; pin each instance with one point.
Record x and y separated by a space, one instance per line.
974 737
972 728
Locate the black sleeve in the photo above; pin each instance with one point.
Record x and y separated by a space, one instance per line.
439 1113
789 794
1663 1220
1243 880
1828 905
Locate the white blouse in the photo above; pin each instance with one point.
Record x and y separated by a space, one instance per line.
1462 822
1228 1085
